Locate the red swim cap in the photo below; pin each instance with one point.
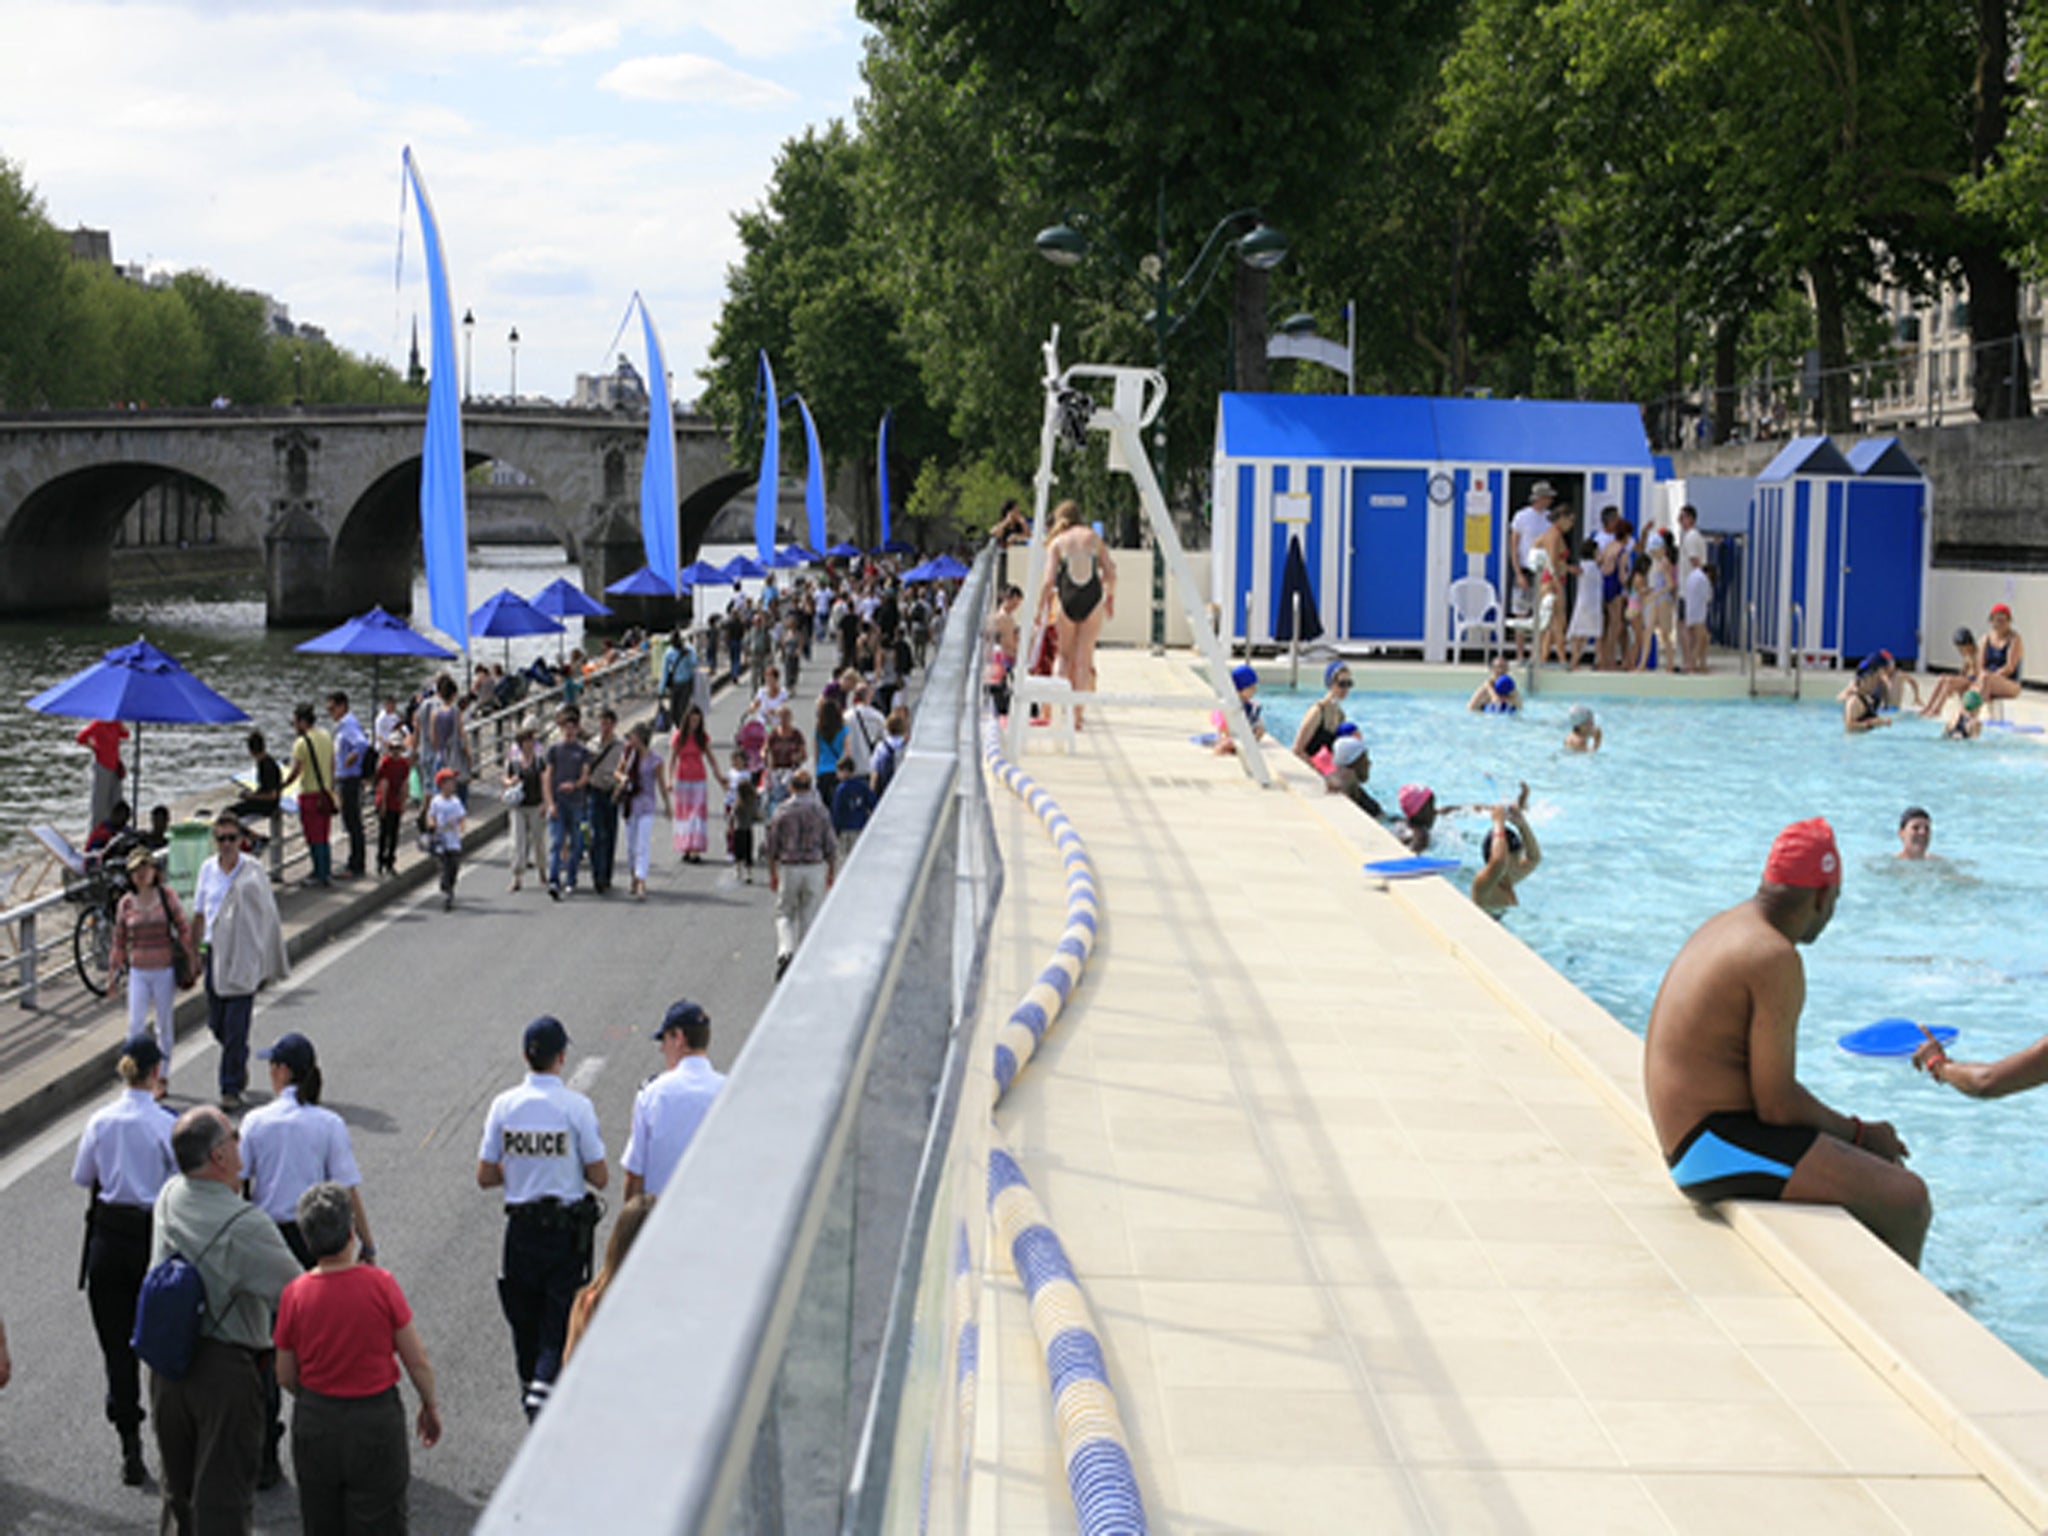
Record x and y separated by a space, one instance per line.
1804 856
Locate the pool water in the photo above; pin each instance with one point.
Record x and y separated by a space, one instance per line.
1670 822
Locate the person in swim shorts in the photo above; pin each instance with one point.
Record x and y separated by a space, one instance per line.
1720 1058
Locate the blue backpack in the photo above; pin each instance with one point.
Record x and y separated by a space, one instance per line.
171 1309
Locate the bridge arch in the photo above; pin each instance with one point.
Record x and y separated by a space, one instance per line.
56 552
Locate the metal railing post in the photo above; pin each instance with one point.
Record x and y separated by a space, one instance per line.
25 936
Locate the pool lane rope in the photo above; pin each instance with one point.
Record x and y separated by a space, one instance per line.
1093 1445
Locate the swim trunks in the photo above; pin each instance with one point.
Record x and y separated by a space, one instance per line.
1732 1155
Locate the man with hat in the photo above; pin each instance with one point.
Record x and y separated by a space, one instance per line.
1525 528
541 1146
673 1103
1719 1056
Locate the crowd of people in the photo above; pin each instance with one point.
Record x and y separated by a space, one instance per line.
294 1302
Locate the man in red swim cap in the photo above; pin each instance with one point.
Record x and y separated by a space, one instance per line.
1732 1116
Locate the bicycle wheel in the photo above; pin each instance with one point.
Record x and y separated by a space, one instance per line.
92 944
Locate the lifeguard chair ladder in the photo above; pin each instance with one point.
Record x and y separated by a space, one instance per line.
1138 394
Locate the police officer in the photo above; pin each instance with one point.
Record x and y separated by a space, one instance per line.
124 1158
541 1144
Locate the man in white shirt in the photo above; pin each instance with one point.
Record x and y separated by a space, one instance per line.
235 924
865 731
1526 527
672 1104
1692 544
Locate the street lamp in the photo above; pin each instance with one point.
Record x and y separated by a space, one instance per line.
1262 247
514 340
468 350
1297 338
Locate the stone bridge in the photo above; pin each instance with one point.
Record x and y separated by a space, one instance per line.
330 494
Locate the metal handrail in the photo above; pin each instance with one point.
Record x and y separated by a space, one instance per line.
1798 642
677 1413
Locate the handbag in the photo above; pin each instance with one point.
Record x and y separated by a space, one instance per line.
513 794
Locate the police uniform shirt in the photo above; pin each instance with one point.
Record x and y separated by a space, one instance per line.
542 1136
288 1147
666 1114
126 1149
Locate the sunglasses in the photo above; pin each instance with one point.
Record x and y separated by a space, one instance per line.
227 837
1342 682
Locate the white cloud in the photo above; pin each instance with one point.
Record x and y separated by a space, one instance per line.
691 78
262 142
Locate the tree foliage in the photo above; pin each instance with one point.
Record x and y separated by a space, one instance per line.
76 335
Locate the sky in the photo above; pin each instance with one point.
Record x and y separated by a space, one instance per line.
574 152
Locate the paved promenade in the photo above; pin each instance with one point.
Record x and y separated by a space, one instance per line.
1366 1201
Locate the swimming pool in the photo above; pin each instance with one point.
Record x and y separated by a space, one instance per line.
1670 823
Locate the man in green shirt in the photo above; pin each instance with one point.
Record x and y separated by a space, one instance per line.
210 1423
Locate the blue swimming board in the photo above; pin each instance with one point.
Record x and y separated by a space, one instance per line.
1409 868
1892 1037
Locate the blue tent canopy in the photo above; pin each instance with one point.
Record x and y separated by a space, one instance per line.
375 633
642 583
700 573
136 684
565 600
740 568
845 551
505 613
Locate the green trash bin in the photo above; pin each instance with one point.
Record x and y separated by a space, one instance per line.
191 842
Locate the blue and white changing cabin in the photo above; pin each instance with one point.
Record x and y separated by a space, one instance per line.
1838 551
1396 496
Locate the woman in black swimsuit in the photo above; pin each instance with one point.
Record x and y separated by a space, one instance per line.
1319 725
2005 656
1079 593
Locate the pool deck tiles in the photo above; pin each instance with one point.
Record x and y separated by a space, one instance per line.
1367 1205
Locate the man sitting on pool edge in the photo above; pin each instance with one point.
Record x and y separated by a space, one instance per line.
1720 1052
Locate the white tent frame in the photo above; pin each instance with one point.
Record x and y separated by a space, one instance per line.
1139 394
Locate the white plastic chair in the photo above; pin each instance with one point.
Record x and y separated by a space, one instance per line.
1474 605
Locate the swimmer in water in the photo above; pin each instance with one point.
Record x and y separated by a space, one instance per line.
1585 734
1916 831
1498 694
1968 723
1512 854
2023 1069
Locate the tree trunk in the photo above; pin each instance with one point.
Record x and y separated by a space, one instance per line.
2000 387
1830 336
1727 338
1248 330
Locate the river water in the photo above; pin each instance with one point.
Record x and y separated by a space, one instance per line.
222 641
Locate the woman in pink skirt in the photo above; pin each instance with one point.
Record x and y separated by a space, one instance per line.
690 769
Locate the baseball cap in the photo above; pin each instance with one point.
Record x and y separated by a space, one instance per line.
145 1053
446 775
1414 797
293 1051
681 1012
1349 750
139 856
545 1039
1243 677
1804 856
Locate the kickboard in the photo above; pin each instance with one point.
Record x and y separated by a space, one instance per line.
1892 1037
1408 869
2015 728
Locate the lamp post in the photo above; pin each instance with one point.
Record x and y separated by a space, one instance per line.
1297 338
513 339
468 349
1262 247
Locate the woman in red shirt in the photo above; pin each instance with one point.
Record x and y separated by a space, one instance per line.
338 1328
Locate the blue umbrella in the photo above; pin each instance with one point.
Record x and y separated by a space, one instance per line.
897 547
565 600
136 684
944 568
785 560
642 583
811 556
505 613
740 568
702 573
844 551
918 573
374 634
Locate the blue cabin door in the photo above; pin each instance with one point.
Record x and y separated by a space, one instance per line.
1389 556
1881 585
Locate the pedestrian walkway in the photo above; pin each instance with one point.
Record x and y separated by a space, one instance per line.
1375 1231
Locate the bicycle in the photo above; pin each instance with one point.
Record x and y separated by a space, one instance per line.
98 891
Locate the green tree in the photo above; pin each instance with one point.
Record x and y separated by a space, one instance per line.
37 305
236 350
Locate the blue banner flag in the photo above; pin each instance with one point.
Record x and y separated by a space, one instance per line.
658 507
444 518
814 477
882 472
768 491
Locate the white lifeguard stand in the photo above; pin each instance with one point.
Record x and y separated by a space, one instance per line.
1137 395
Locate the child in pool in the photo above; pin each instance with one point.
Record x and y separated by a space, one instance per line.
1968 724
1498 694
1585 734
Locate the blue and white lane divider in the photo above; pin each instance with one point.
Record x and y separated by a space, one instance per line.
1093 1445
